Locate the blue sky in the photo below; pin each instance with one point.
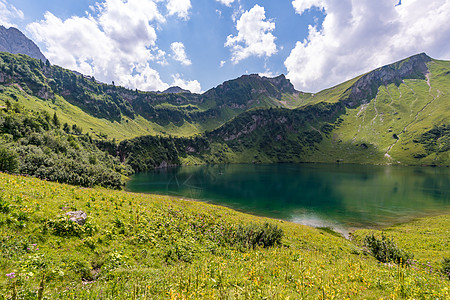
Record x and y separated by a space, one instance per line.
198 44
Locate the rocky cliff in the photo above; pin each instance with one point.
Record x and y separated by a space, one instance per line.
14 41
365 89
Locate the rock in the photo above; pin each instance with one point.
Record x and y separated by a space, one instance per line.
78 217
174 90
12 40
367 86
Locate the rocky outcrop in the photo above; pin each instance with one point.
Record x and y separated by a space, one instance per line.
12 40
250 90
366 88
174 90
78 217
283 84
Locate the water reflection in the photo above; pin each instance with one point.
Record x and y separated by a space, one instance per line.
338 196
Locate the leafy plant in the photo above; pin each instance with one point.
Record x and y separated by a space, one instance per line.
9 161
4 205
385 250
446 266
65 227
253 235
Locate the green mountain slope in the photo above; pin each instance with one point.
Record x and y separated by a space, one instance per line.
120 113
396 114
389 128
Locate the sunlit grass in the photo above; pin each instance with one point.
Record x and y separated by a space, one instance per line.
159 247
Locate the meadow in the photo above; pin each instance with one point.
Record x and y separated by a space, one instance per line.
137 246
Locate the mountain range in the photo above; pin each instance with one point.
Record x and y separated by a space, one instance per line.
396 114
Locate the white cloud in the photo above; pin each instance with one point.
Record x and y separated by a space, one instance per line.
116 43
193 86
179 7
301 5
266 73
127 24
179 54
146 79
226 2
360 35
254 36
160 57
8 13
222 63
237 12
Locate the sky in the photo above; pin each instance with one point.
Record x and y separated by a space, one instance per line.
198 44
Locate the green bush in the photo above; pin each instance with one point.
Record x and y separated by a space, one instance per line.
385 250
4 205
446 267
252 235
9 161
64 227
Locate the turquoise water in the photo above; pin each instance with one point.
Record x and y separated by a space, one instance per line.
342 197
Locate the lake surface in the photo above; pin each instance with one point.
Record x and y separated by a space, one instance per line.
343 197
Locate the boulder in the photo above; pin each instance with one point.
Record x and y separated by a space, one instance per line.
78 217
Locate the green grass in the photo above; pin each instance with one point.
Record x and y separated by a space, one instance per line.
333 94
427 238
404 112
158 247
67 113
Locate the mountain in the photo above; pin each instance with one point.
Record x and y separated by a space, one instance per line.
396 114
12 40
174 90
126 113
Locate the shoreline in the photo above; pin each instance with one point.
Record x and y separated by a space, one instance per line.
345 232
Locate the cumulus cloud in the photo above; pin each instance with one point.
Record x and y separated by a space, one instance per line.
116 42
193 86
226 2
254 36
222 63
267 73
9 13
301 5
357 36
179 7
179 54
160 57
146 79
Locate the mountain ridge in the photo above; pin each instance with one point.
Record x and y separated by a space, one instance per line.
12 40
374 118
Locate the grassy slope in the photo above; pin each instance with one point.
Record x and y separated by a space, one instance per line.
162 247
406 110
126 129
334 94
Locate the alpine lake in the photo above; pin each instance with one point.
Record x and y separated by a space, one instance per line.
338 196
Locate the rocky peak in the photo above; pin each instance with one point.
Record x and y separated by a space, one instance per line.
366 88
174 90
12 40
243 91
282 83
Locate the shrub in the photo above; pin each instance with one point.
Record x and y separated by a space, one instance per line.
385 250
446 267
252 235
9 162
4 205
181 250
64 227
